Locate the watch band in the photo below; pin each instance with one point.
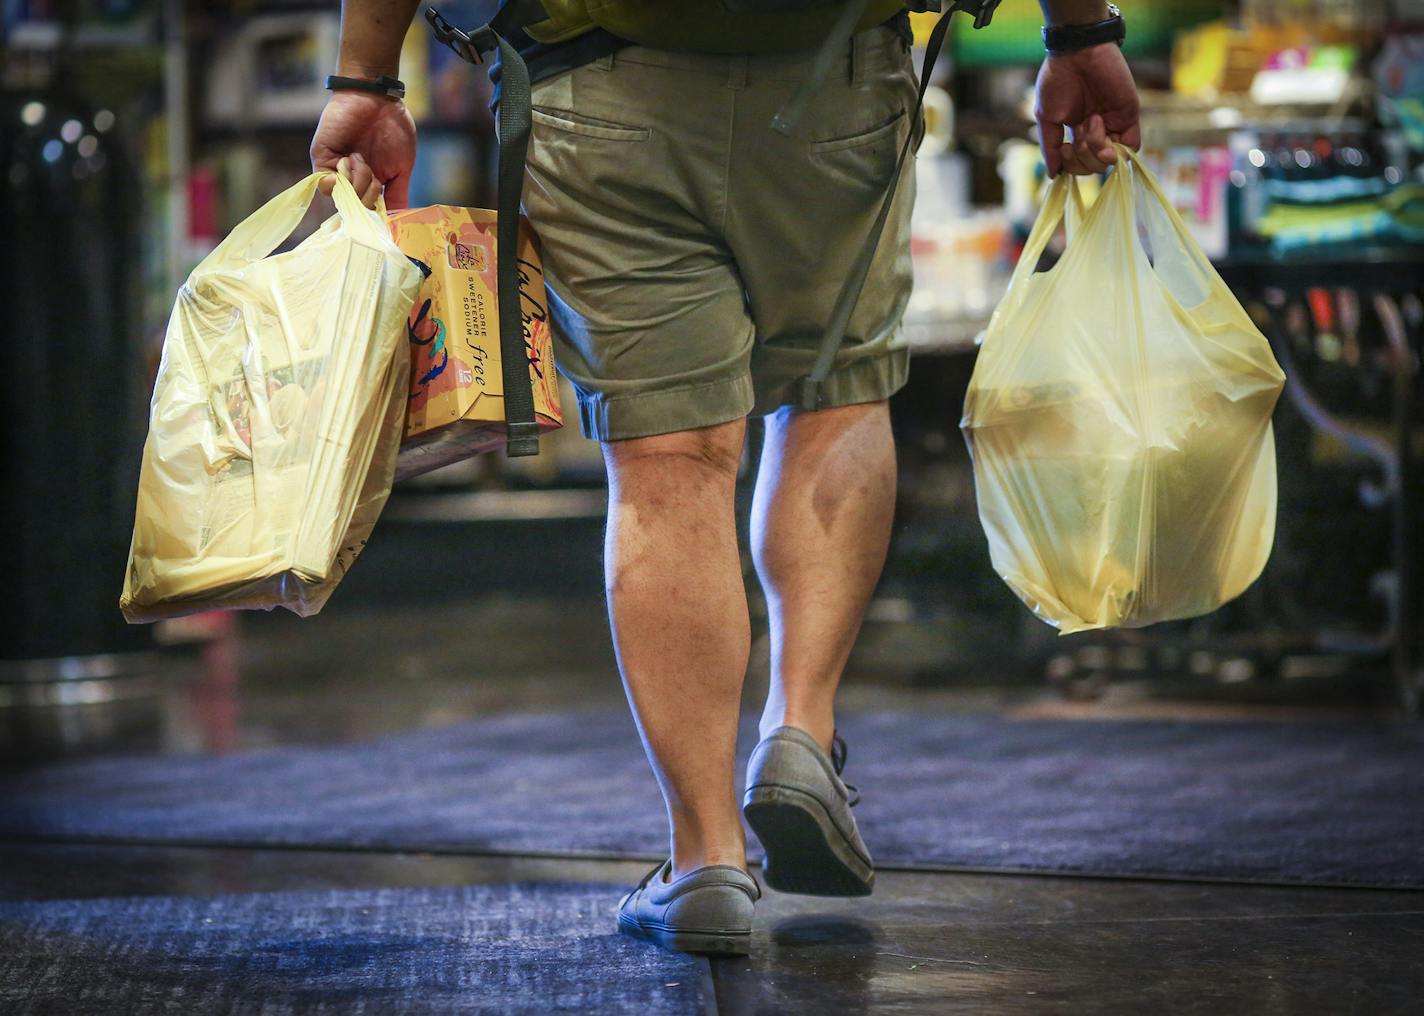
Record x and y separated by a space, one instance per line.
384 85
1067 38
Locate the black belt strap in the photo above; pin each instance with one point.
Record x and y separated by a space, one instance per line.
522 431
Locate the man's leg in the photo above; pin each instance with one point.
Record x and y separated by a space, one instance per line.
821 515
678 611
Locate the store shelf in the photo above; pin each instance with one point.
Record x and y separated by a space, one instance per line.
944 336
1165 114
497 506
1362 267
283 131
51 35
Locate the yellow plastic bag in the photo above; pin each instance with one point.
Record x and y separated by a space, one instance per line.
276 416
1119 419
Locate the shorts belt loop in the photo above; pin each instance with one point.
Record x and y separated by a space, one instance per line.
859 58
605 62
737 70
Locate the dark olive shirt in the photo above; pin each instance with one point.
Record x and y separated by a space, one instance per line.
547 59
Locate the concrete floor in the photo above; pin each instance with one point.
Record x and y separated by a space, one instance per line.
925 942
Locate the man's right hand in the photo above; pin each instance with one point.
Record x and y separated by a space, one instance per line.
376 135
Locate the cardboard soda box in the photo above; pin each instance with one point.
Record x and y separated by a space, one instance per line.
455 402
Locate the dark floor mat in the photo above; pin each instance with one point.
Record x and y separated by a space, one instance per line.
508 948
1336 802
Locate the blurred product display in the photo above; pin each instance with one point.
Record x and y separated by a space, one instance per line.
71 671
69 258
269 72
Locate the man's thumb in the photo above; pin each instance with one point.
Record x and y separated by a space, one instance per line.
329 169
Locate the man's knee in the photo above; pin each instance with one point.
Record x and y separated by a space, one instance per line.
716 449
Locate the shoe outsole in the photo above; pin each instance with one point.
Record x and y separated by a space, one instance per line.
720 943
805 851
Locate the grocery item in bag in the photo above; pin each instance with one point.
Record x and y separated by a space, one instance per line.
455 401
276 415
1119 419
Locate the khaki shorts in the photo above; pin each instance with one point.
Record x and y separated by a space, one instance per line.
693 254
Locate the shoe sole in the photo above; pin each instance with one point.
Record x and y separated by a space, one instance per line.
805 851
721 943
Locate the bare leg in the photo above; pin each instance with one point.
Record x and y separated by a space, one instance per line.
678 611
821 516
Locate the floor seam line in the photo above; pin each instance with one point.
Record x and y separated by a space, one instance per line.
569 855
711 1006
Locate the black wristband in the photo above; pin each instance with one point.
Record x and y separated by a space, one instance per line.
384 85
1067 38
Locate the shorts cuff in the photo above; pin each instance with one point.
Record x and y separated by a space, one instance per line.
871 379
618 417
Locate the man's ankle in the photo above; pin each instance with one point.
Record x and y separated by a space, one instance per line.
820 727
684 865
696 844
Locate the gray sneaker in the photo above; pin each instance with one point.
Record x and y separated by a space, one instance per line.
799 808
707 910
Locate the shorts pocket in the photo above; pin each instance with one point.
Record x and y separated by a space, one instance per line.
866 159
885 131
584 126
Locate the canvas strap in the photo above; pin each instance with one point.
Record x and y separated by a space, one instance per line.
515 117
810 396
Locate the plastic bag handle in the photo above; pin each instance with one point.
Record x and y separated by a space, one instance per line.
1057 208
1186 249
1076 212
260 233
1187 246
1149 182
1053 212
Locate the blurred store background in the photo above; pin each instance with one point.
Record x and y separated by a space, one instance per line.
135 133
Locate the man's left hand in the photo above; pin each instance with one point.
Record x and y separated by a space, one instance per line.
1091 92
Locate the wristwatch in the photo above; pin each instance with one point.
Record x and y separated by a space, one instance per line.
384 85
1067 38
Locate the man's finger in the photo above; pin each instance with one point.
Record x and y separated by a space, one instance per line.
323 163
371 193
1131 137
341 169
1087 154
1071 163
398 192
1050 139
363 181
327 183
1095 137
359 173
